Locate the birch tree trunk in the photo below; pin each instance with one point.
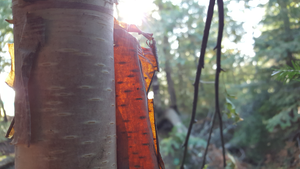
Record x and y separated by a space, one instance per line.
65 94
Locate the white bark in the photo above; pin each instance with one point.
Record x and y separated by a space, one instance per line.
71 86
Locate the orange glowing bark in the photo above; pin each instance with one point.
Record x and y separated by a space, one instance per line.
135 66
154 132
134 136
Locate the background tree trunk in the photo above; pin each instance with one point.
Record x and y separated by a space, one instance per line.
68 46
287 29
168 70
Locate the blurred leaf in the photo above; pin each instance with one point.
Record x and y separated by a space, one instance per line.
283 119
288 73
230 96
232 114
176 161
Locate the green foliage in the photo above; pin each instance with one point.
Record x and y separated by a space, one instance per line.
174 142
5 30
172 145
262 102
3 128
5 37
230 165
269 108
284 119
288 73
231 114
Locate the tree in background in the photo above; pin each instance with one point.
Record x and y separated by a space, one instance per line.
5 37
180 29
270 108
5 29
262 102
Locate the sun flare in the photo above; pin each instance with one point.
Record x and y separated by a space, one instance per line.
133 11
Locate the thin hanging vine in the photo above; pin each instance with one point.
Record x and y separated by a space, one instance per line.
198 74
218 71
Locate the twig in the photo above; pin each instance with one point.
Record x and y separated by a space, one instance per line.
207 82
218 71
203 124
8 133
298 140
209 136
210 13
2 107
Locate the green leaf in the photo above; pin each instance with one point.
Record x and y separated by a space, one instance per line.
288 73
232 114
230 165
230 96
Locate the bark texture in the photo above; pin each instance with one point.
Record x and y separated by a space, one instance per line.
137 142
65 94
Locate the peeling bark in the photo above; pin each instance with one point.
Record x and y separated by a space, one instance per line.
136 148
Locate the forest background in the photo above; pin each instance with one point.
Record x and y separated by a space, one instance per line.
260 108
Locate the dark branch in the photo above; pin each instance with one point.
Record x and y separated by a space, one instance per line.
210 13
219 69
209 136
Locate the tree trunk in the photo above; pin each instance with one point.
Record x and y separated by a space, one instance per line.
287 29
168 70
157 97
65 94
